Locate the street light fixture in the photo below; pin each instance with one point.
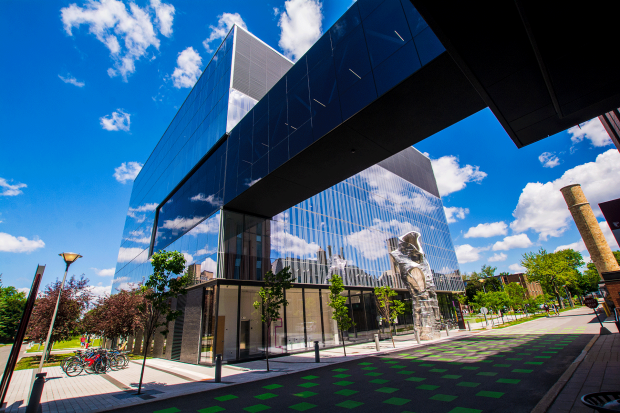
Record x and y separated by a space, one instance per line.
70 258
482 281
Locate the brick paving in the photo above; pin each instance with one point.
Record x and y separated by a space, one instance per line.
599 371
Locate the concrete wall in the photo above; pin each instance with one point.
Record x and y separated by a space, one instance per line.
168 354
190 346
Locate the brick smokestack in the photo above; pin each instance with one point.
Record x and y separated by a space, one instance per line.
589 229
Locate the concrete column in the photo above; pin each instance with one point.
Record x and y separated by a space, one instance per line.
589 229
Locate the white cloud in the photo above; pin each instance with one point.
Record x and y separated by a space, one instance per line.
9 243
370 242
10 189
513 241
135 212
99 289
451 177
498 257
107 272
577 246
118 120
609 236
549 160
516 268
224 23
138 255
211 199
139 237
181 223
71 80
25 290
164 16
455 213
208 265
127 171
188 68
542 208
289 244
189 259
300 26
487 230
591 130
387 190
466 253
127 34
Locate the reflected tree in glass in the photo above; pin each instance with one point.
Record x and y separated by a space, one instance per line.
272 297
389 307
339 304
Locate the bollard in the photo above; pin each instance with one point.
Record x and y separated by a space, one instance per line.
218 368
447 331
417 336
317 357
468 326
377 342
35 394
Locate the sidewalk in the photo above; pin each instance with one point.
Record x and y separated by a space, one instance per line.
599 371
165 378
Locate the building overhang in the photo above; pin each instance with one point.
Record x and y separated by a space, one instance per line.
541 67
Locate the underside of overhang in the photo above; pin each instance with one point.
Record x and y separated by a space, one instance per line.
541 67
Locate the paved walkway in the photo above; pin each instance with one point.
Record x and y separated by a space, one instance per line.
599 371
165 379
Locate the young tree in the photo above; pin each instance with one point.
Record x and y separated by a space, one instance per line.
516 295
74 300
272 298
389 307
338 303
12 305
158 291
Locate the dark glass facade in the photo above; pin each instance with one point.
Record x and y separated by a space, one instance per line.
251 111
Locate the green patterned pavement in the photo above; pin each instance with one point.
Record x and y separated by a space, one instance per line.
481 373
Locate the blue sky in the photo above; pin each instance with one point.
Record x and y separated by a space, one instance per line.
92 86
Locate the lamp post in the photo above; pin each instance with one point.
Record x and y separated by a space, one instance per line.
482 282
70 258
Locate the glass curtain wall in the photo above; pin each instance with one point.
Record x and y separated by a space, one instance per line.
208 327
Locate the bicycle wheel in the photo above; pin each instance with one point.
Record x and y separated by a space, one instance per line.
74 368
66 362
115 363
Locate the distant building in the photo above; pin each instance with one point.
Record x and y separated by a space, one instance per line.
533 289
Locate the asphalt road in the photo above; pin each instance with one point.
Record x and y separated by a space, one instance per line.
503 371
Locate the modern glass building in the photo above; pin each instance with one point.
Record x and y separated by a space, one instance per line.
251 111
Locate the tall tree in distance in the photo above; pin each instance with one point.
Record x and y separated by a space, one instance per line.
553 270
74 300
389 307
338 303
12 305
161 287
272 297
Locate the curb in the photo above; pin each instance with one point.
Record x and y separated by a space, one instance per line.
548 399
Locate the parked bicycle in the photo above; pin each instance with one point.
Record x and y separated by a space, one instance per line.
97 361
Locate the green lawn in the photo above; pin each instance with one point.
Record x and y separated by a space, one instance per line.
73 343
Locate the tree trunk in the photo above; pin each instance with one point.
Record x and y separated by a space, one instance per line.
557 296
268 342
146 348
343 346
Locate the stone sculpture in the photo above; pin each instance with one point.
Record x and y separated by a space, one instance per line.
415 273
